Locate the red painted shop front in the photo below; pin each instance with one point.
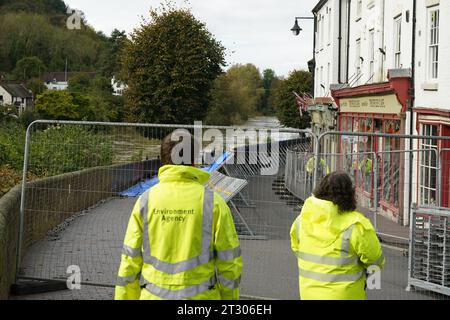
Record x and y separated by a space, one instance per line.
375 108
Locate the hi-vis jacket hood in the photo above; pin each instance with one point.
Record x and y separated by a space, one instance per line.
323 224
171 173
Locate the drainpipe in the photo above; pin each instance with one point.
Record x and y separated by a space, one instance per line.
314 54
411 104
340 42
383 57
349 4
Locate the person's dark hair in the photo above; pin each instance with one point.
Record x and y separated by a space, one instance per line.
338 188
167 145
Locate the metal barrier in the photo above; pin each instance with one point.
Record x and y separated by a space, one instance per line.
429 258
74 216
86 165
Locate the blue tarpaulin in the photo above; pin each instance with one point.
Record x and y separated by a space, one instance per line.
143 186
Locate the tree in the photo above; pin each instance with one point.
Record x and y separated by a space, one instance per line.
170 66
223 105
29 67
80 83
25 34
287 108
269 77
236 96
36 86
64 105
116 43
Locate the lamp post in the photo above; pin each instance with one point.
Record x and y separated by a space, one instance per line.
296 28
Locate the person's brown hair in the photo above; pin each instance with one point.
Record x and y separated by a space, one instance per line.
338 188
167 146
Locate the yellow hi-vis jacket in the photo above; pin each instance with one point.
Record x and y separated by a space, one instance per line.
334 250
181 242
312 162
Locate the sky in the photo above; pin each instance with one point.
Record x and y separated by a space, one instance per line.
252 31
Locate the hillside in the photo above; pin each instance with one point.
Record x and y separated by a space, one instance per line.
35 6
37 28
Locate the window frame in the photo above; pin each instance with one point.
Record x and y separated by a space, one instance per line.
372 55
358 60
433 44
359 7
398 41
425 166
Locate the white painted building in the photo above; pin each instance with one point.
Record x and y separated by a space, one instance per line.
371 78
363 60
432 106
16 96
60 80
326 51
380 34
118 87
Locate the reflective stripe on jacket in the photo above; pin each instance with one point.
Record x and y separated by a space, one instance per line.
180 233
333 250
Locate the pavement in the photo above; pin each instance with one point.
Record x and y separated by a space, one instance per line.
93 241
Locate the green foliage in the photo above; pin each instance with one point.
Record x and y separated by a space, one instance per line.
12 140
25 34
287 108
53 151
38 6
170 65
63 149
8 112
116 43
104 106
269 79
29 67
8 179
80 83
63 105
36 86
27 117
237 95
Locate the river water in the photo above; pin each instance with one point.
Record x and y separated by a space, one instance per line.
271 123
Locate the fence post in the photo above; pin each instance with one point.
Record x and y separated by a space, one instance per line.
316 163
22 201
375 187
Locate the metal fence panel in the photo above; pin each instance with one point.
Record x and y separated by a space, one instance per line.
73 214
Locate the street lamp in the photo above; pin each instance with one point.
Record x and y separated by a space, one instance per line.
296 28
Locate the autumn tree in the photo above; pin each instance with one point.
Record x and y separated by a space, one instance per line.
170 65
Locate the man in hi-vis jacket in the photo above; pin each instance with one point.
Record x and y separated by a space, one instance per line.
181 242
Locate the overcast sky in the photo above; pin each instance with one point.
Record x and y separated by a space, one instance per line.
253 31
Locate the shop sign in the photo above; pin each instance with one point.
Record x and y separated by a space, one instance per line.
372 104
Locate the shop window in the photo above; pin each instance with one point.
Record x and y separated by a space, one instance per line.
391 164
428 166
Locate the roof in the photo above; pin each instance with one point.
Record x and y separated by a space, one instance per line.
17 90
321 100
61 76
319 6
